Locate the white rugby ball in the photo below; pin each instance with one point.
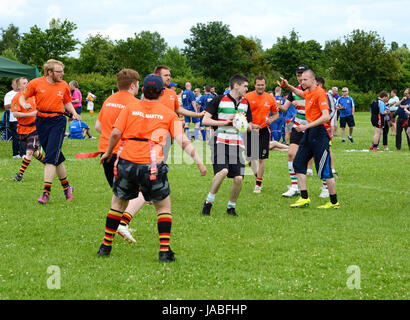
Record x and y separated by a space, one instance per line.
239 122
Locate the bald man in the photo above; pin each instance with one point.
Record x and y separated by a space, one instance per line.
315 140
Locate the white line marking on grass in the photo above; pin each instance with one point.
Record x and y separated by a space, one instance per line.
374 188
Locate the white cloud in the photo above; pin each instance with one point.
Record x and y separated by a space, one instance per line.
53 11
12 8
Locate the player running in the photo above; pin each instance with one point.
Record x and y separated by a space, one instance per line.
26 128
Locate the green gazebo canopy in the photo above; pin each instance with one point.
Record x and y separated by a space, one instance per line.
13 69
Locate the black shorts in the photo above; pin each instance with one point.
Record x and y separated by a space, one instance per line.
315 143
135 177
377 120
30 141
227 157
257 144
295 136
109 169
349 120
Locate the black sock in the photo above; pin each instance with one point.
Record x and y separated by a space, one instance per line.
333 198
304 194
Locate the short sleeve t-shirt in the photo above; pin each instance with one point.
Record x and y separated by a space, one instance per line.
187 98
25 125
204 100
261 107
77 130
49 97
348 104
149 120
77 95
7 101
315 102
393 100
109 112
170 99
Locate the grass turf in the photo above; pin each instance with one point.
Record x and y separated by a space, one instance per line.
269 252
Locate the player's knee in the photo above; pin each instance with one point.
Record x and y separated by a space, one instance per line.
238 179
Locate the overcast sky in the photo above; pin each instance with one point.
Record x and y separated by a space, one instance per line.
266 20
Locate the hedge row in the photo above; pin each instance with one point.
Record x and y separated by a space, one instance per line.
103 86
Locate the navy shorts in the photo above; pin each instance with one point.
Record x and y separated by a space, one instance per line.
189 119
349 120
315 143
51 133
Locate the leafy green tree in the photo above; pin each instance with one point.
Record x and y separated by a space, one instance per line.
174 59
37 46
9 38
289 52
364 59
213 51
142 53
97 55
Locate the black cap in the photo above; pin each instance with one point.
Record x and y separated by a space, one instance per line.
302 68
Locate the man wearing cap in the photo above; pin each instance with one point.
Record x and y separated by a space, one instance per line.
143 128
173 86
295 136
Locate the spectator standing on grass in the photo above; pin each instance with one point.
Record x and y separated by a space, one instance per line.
345 105
378 110
53 97
402 122
143 127
11 121
76 96
393 105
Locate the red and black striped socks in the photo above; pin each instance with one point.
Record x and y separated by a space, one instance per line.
24 164
111 226
126 219
64 183
164 221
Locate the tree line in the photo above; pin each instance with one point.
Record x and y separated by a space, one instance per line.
361 60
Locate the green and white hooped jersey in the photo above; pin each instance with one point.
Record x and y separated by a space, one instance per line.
228 134
300 117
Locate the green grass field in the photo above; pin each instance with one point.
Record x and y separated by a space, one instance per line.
269 252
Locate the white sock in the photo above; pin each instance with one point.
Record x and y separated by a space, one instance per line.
231 204
210 198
